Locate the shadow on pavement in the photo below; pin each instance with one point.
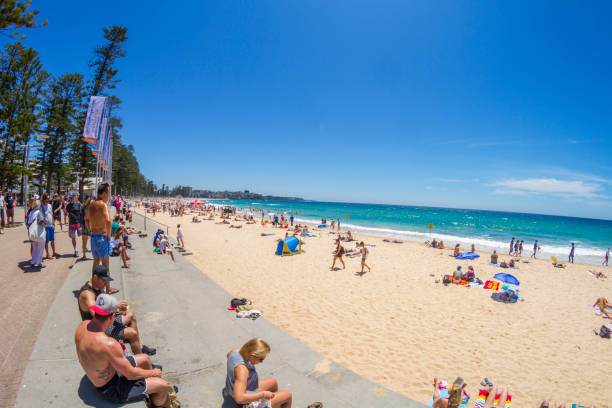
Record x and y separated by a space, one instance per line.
90 396
26 267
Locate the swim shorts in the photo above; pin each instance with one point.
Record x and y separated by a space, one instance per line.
74 230
116 328
120 390
100 246
50 234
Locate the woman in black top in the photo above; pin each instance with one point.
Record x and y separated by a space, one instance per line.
338 254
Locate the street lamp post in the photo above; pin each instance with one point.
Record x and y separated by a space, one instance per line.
27 148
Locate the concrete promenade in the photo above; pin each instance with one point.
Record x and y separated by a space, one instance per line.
183 314
25 297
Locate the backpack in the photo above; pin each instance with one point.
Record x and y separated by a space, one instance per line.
446 279
239 302
503 265
604 332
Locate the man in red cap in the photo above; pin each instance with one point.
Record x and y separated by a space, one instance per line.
118 379
123 327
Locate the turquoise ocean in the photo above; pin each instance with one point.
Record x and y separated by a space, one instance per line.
487 230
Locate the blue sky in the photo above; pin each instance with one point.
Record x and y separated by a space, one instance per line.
492 105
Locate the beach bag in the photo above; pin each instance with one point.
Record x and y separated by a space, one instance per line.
239 302
446 279
503 265
36 233
172 400
243 308
604 332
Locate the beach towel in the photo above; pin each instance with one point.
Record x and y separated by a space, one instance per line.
308 235
266 235
482 398
491 285
468 255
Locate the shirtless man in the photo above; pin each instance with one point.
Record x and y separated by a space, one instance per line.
117 378
124 327
98 222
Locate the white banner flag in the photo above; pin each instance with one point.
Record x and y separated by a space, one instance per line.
92 122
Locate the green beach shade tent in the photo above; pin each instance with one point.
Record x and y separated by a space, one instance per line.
288 246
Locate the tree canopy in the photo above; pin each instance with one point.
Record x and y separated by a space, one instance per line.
14 15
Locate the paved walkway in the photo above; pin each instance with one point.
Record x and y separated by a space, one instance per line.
183 313
25 298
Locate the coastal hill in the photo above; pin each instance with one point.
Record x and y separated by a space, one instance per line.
240 195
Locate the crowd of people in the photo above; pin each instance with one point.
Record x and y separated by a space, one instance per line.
107 323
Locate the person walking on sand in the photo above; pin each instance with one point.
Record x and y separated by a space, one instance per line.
511 246
338 254
98 224
571 254
364 257
606 257
535 249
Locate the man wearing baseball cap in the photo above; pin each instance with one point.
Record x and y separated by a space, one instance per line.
123 327
118 379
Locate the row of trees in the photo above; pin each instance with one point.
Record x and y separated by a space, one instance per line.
33 102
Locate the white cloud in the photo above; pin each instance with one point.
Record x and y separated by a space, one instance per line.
559 188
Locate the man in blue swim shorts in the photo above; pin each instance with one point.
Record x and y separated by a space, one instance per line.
98 222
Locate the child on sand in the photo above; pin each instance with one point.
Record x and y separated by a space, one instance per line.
364 256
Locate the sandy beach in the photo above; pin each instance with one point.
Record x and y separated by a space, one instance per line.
399 328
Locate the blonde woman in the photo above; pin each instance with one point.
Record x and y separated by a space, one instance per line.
243 386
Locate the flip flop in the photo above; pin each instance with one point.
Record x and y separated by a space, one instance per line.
316 405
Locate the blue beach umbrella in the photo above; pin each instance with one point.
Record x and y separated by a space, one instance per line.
507 278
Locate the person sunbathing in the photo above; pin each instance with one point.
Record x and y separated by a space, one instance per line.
598 274
603 305
494 257
235 226
441 245
457 275
222 222
457 251
455 394
470 275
